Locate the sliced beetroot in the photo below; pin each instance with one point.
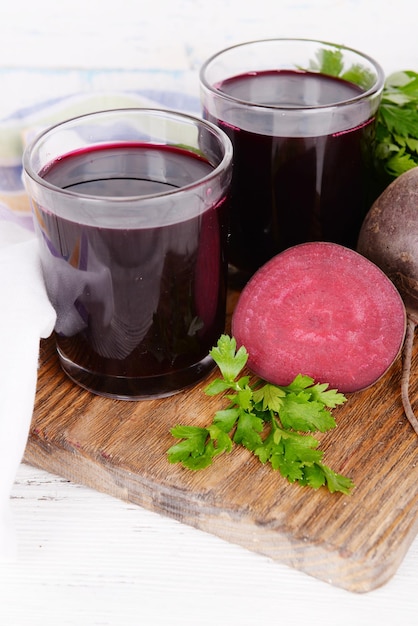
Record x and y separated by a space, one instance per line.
321 310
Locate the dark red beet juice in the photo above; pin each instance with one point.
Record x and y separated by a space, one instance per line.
142 306
301 186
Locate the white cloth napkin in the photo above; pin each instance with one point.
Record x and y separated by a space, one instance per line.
26 315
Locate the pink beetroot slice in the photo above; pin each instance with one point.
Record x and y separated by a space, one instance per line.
321 310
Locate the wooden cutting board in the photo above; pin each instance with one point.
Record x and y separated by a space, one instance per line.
356 542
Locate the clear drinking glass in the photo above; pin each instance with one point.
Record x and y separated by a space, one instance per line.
130 211
300 115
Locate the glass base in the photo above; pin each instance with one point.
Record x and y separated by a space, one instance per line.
134 388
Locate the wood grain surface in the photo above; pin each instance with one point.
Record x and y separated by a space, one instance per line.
355 542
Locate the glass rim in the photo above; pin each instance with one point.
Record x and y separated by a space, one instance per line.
364 95
224 141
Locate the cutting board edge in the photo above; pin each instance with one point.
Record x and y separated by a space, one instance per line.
354 572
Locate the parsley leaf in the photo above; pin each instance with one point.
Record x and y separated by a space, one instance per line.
395 147
248 430
198 446
328 62
358 75
300 412
191 446
271 421
331 62
396 140
336 482
320 392
270 396
229 361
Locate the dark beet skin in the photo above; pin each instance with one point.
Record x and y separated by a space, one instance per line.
321 310
389 238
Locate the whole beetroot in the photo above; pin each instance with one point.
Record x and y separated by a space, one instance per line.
389 238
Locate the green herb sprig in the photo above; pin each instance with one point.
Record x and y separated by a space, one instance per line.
331 63
396 143
271 421
396 136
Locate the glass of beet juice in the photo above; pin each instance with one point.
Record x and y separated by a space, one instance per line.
130 211
300 115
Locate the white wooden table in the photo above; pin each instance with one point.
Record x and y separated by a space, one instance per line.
86 558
